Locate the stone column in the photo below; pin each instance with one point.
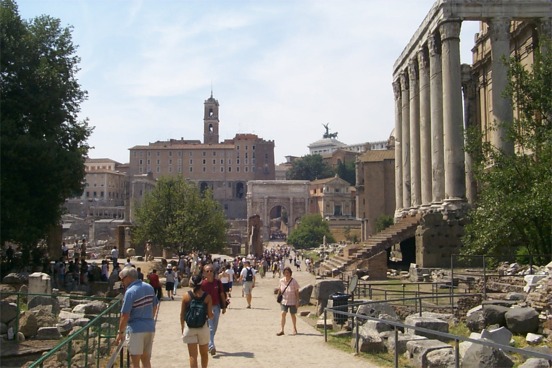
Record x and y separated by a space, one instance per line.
414 133
398 151
455 185
436 103
470 121
499 30
425 126
405 139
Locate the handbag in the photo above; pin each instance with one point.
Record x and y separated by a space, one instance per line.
281 293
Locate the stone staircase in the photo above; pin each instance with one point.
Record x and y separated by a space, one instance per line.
340 263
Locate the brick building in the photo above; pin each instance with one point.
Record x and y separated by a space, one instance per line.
224 167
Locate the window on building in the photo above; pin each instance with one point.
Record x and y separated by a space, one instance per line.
170 153
170 169
238 169
222 161
246 169
149 153
238 161
158 169
221 169
229 169
158 153
214 162
148 161
204 169
253 147
203 162
170 162
204 153
214 153
337 210
191 169
158 162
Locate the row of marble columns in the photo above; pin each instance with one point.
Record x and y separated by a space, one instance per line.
429 126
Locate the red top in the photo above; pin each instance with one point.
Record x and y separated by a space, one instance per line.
154 280
213 288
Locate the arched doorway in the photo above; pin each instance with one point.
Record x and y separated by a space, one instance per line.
278 220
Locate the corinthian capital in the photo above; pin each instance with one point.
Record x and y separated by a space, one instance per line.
397 89
434 44
450 29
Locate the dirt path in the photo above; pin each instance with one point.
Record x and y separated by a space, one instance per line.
247 337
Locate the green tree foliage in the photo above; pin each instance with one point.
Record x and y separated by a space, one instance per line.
309 167
347 172
514 209
310 232
177 216
42 143
383 222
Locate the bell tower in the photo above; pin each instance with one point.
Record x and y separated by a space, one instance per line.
211 121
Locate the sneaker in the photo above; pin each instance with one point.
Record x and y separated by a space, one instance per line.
213 351
248 307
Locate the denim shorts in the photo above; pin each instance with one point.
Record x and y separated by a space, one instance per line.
289 308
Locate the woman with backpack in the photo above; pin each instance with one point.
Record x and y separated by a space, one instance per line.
197 307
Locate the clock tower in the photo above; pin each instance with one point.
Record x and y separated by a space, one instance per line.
211 121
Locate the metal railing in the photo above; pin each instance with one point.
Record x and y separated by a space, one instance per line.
88 346
444 335
121 350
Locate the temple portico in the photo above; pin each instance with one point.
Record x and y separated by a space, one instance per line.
436 98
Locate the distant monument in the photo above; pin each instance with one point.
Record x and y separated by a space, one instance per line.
328 134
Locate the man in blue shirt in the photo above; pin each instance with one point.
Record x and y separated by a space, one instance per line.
137 317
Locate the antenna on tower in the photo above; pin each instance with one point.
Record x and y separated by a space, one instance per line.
211 89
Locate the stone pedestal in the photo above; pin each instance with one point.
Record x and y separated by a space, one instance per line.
39 283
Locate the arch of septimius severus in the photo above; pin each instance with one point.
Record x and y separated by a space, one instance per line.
263 196
434 101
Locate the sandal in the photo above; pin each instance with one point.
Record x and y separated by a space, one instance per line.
294 333
280 333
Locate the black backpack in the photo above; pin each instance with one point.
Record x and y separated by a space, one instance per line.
249 275
196 314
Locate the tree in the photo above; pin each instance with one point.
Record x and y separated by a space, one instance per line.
176 215
513 212
42 143
347 172
309 167
310 232
383 222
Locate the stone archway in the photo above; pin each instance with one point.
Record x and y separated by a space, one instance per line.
264 196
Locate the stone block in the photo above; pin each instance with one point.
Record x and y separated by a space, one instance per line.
481 356
500 335
324 288
93 307
401 342
417 350
39 283
494 314
320 324
375 310
8 311
44 300
434 324
532 338
535 363
441 358
48 333
369 343
27 324
305 294
522 320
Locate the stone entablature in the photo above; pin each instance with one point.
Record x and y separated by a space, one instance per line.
429 82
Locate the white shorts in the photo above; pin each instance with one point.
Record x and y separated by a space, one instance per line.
196 335
140 343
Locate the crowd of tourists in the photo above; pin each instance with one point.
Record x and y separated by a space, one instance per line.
211 282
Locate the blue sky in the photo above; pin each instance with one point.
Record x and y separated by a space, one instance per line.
279 68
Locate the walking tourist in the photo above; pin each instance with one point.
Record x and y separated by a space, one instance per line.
137 324
196 309
289 288
214 288
247 277
169 282
153 278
